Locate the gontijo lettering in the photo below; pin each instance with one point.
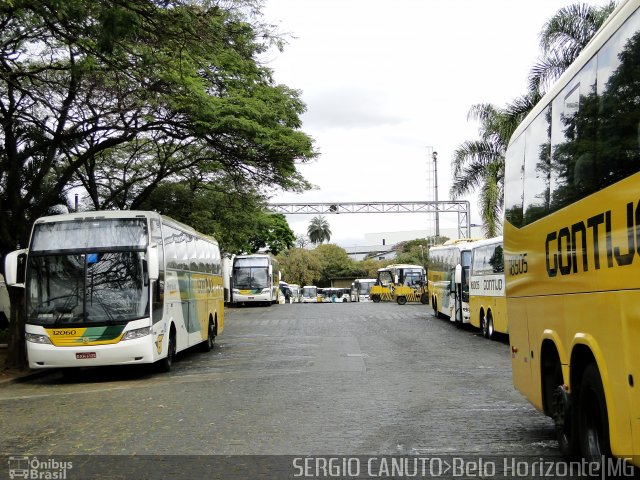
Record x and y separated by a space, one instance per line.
567 250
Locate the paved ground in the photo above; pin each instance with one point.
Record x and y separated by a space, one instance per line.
301 379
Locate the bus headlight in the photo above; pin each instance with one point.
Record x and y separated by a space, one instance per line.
137 333
35 338
235 290
266 290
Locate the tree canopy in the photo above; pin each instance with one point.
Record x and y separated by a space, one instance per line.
112 98
319 230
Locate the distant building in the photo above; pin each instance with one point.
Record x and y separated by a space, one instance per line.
377 252
391 238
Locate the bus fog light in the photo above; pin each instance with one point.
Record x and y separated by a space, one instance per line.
137 333
34 338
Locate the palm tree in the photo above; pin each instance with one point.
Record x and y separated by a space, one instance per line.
319 230
562 39
480 163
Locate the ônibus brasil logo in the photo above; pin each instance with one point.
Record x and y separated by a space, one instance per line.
34 468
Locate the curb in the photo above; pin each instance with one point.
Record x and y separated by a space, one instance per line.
28 375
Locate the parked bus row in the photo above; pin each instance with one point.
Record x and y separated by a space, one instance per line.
467 284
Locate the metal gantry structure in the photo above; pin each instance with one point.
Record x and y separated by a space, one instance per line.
460 207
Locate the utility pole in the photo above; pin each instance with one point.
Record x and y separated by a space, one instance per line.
434 155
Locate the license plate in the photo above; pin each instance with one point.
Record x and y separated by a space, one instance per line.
251 298
83 355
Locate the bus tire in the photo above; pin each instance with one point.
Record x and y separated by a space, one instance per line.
434 304
164 365
593 422
401 300
490 329
424 299
375 298
207 345
564 421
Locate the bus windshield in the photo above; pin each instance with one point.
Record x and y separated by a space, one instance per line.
309 292
250 278
365 287
413 276
88 288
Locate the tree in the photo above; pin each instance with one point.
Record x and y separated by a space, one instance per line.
319 230
480 163
300 266
239 221
562 39
302 241
116 97
335 263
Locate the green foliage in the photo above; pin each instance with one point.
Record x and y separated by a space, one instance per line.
318 230
335 263
239 221
117 97
300 266
274 233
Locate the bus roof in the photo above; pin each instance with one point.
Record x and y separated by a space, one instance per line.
487 241
108 214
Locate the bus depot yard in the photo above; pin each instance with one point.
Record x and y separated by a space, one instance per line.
348 379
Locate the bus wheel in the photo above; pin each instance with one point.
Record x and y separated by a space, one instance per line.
593 423
483 326
401 300
490 330
564 421
207 345
165 364
424 299
375 298
435 308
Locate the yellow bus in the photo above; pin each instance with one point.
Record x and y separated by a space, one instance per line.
448 297
117 288
487 301
572 242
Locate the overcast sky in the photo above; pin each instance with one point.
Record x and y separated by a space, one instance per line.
384 80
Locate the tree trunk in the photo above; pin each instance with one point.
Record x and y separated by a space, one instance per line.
17 352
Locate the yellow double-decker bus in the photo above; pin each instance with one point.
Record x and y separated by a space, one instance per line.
572 246
448 297
487 301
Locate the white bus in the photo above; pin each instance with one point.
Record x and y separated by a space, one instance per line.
362 288
255 279
295 292
117 288
449 279
487 301
309 294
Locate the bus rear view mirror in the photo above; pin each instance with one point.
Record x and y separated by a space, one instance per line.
458 274
153 262
14 264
